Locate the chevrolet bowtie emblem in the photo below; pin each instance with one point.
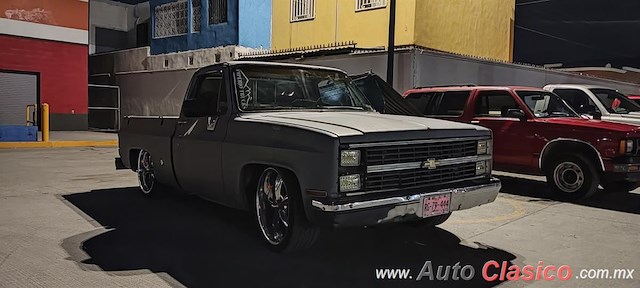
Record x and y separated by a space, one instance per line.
430 164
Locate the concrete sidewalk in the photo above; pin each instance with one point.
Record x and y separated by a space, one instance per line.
68 139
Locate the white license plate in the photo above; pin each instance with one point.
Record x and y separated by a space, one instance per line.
435 205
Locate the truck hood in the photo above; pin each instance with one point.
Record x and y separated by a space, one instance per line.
345 123
593 124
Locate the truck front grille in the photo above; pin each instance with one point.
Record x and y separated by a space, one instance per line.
419 152
419 164
420 177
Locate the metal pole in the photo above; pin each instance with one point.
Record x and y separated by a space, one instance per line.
391 44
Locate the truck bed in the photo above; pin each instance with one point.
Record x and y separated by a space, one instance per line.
154 133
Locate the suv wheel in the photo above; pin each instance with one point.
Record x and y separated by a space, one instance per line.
572 177
280 213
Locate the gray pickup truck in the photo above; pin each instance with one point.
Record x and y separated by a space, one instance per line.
301 148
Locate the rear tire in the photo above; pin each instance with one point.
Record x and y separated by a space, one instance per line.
146 176
280 213
572 177
431 222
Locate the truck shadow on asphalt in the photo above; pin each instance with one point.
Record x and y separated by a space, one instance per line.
201 244
616 201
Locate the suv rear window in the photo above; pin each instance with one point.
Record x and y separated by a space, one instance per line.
452 103
421 101
449 103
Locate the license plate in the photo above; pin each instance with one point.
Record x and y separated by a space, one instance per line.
435 205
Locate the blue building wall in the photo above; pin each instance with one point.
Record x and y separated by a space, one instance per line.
255 23
209 36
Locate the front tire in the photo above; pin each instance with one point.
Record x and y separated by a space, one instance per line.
280 214
572 177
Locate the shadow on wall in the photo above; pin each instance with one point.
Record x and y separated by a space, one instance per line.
201 244
616 201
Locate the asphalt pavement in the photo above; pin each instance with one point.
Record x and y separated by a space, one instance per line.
68 219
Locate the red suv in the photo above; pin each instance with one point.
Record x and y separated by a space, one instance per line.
536 132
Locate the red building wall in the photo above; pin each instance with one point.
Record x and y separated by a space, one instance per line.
63 74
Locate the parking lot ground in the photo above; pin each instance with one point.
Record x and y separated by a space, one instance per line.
68 219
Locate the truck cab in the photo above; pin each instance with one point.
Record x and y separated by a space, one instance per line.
537 132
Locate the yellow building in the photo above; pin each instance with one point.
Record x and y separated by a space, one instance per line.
482 28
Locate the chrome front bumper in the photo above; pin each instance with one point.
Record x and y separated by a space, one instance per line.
461 198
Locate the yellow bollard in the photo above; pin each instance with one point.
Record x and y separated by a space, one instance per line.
45 122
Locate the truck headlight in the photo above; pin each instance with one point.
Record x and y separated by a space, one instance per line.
350 183
627 146
483 167
484 147
349 158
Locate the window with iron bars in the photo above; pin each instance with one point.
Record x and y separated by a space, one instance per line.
370 4
302 10
196 17
217 11
171 19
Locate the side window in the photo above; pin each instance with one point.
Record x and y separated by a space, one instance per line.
452 103
421 101
576 98
302 10
494 104
206 97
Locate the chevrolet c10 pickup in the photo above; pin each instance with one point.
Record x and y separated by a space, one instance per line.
301 148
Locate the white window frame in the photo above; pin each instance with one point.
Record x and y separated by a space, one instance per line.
302 10
363 5
166 5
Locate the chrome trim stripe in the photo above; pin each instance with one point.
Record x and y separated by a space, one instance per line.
492 188
393 167
364 145
416 165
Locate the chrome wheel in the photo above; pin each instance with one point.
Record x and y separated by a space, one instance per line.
272 206
146 178
568 176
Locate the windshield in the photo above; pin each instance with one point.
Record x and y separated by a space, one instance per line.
277 88
546 104
615 102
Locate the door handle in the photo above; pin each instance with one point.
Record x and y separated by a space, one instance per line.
182 122
475 121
